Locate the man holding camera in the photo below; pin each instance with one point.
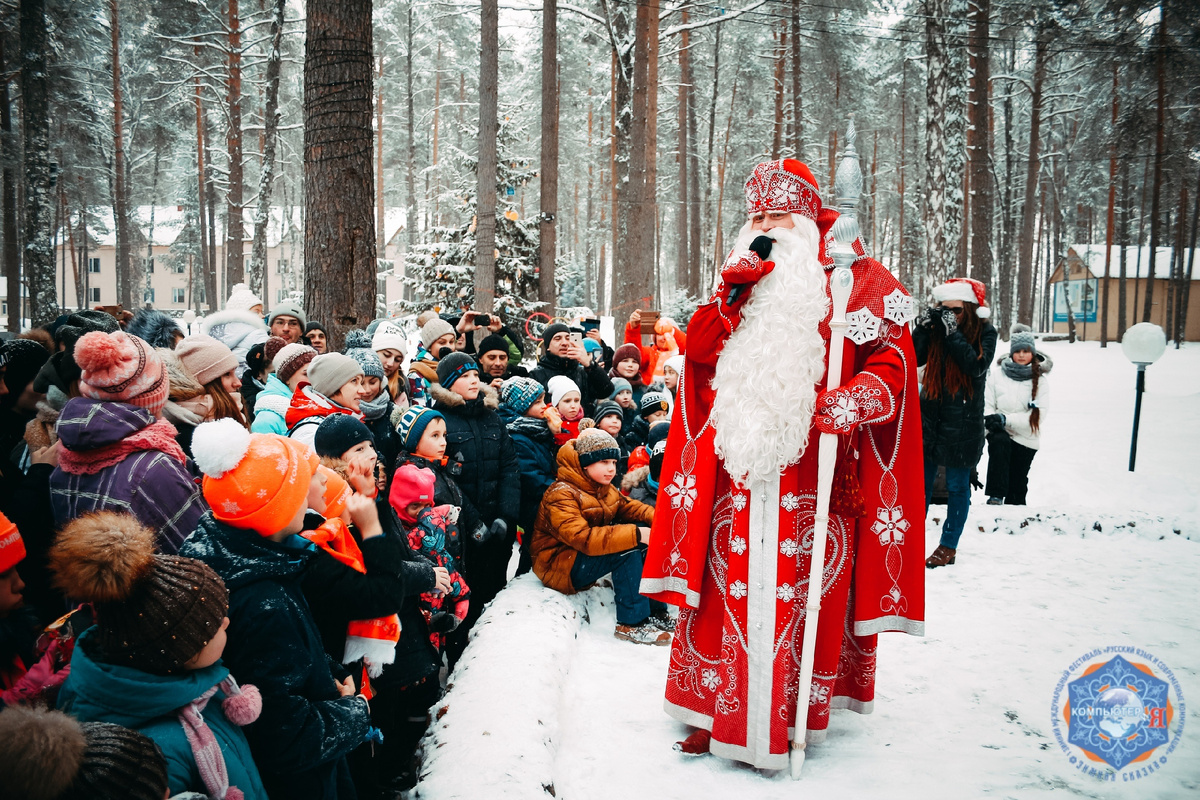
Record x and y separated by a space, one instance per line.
566 355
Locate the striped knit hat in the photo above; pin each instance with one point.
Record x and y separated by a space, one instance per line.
290 359
412 426
518 394
117 367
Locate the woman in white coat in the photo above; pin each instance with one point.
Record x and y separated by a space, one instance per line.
1014 409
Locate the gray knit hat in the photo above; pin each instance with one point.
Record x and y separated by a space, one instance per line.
358 347
433 330
329 372
288 309
1021 338
596 445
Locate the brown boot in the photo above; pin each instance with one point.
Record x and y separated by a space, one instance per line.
941 557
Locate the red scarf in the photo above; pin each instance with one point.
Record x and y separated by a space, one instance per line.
159 435
308 402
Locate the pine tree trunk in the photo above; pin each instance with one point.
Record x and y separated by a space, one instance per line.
148 270
410 203
633 277
35 105
380 217
1025 247
1159 148
1122 285
1187 279
435 214
944 135
797 96
235 229
8 196
780 62
262 214
979 149
683 230
485 208
206 257
689 86
339 230
120 197
1109 230
719 242
708 158
650 197
547 223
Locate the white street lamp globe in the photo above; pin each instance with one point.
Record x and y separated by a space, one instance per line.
189 316
1144 343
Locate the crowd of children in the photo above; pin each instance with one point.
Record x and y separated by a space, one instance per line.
240 564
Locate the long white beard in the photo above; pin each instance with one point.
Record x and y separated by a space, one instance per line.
766 378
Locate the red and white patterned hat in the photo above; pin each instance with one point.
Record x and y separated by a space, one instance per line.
967 290
784 185
120 368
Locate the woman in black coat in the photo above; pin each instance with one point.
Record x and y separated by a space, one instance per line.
491 479
955 344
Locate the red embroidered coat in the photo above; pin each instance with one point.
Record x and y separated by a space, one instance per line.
735 559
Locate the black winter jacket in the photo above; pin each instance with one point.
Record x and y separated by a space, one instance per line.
477 439
416 657
337 593
301 738
953 426
593 382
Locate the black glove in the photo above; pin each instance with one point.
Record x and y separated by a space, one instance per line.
949 320
443 622
930 319
761 246
994 422
480 534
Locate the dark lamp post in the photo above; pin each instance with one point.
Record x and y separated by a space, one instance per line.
1143 344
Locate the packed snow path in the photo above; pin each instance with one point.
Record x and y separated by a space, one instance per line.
548 703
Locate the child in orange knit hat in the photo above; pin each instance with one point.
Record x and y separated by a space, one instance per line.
257 486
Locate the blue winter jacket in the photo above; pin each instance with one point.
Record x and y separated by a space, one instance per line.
536 459
270 407
306 729
100 692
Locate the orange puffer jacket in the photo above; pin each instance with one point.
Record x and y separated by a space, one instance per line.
578 515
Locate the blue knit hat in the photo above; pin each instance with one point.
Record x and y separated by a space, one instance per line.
518 394
412 426
592 346
453 367
620 385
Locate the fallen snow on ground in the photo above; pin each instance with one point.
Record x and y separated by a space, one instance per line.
547 703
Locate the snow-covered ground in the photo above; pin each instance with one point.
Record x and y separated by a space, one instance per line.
547 703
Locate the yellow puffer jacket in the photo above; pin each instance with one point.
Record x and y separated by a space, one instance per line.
578 515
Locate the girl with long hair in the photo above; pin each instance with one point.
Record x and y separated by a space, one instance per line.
204 386
955 344
1014 409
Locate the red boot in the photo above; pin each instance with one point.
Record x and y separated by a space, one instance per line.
696 744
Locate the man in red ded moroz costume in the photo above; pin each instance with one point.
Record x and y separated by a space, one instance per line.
731 540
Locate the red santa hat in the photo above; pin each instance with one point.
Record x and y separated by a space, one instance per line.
784 185
967 290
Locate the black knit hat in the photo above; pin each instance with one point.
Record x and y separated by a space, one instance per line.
153 612
256 358
608 409
25 358
118 764
653 402
453 367
656 444
337 433
59 371
82 322
491 342
552 331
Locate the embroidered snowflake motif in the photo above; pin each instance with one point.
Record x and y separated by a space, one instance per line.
710 680
682 491
844 411
737 545
786 593
282 462
819 695
737 590
789 502
890 526
899 307
739 502
230 507
864 326
789 547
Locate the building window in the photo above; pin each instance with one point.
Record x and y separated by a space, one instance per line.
3 306
280 295
177 295
148 296
199 294
281 266
94 265
96 293
176 267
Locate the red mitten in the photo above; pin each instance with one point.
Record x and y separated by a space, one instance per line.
861 401
745 266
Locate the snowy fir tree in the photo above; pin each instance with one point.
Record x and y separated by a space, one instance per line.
441 271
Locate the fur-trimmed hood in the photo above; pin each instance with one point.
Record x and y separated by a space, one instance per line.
451 400
229 316
634 479
157 328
